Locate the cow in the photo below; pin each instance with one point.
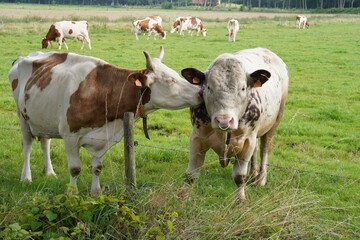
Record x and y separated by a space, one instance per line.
244 97
192 24
175 27
82 100
233 28
301 21
148 25
67 29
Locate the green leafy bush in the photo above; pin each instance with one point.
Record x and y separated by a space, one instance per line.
76 217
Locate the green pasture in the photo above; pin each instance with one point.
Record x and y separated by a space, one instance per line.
313 189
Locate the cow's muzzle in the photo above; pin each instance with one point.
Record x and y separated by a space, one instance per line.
223 122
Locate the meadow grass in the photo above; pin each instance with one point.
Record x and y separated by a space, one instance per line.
313 188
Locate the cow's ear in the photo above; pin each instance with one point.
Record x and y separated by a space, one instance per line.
138 79
193 75
258 78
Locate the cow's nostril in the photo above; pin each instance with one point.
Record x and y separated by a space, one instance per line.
231 122
224 123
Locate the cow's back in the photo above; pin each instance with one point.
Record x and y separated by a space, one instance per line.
72 28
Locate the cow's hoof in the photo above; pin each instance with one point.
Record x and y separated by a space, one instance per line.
260 181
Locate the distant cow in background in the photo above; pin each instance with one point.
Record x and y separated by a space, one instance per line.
233 28
67 29
175 27
148 25
192 24
301 21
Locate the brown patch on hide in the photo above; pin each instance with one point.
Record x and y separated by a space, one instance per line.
42 71
14 84
104 96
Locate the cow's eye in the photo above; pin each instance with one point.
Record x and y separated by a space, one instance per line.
209 89
243 89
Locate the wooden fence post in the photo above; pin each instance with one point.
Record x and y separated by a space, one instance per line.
130 166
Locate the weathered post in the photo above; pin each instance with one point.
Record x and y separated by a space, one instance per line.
130 167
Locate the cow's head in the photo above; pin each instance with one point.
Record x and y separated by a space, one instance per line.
45 43
175 26
204 31
226 88
168 89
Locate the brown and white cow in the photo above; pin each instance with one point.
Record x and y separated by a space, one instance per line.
233 28
244 98
192 24
83 99
148 25
301 21
67 29
175 27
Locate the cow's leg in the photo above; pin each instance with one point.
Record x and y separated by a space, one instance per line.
266 145
45 146
82 43
96 167
240 168
254 164
88 41
74 164
27 140
198 151
60 42
67 48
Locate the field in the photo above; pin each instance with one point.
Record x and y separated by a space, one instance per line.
313 189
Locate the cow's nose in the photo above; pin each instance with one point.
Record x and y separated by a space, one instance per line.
224 122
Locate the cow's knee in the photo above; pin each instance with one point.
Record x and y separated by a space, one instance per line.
75 172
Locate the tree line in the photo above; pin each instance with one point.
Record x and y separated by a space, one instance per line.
282 4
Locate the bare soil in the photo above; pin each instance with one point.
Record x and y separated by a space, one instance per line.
114 14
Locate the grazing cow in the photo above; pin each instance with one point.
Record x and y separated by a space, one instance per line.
148 25
244 98
67 29
233 28
301 21
175 27
83 99
192 24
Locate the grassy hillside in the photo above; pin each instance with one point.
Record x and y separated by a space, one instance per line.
313 188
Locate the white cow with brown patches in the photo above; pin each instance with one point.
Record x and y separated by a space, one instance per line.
149 25
83 99
233 28
301 21
244 98
67 29
192 24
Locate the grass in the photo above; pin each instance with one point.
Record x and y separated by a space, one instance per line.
313 189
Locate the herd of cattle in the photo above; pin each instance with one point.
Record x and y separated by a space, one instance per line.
150 25
239 99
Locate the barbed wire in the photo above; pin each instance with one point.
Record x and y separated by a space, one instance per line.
138 144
